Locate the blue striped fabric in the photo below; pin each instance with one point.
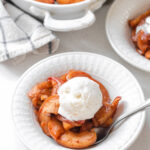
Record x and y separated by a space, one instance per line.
21 33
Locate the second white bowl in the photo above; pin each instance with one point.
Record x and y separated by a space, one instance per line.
119 33
62 18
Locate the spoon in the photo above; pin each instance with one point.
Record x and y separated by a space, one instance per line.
103 133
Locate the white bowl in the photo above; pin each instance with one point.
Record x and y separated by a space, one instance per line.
67 17
117 79
119 33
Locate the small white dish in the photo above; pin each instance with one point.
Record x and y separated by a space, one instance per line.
116 78
63 18
119 33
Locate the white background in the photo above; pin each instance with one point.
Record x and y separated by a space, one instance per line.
92 39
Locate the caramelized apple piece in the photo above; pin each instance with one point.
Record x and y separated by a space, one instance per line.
46 1
106 112
68 1
50 106
77 140
67 126
134 22
88 125
38 91
55 128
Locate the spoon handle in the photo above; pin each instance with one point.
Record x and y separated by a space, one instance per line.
135 110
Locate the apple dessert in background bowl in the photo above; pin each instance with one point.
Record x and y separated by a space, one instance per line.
59 1
140 36
129 32
71 106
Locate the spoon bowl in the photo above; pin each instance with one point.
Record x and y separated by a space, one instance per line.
103 133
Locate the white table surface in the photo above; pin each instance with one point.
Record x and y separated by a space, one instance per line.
92 39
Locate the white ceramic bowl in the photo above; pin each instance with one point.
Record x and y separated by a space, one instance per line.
117 79
67 17
119 33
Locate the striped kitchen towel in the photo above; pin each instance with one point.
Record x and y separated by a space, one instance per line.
21 33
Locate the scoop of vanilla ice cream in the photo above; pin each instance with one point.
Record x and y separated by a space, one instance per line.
80 98
144 27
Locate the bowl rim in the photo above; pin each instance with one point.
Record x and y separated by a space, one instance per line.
112 43
60 5
143 113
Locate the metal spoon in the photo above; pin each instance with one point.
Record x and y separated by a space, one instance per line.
103 133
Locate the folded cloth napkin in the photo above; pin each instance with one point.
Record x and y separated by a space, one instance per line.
21 33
